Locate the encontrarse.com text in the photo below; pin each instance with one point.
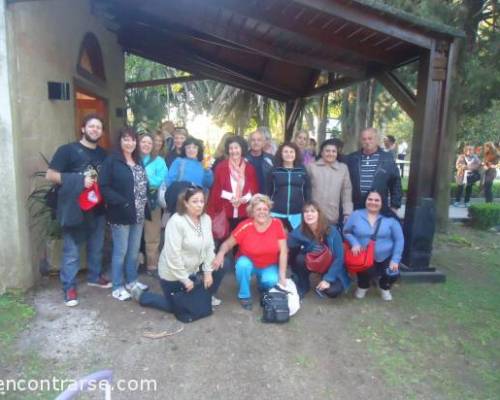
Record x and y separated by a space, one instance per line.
58 385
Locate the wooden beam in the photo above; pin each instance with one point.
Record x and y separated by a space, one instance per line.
371 20
401 93
162 82
337 84
174 13
293 109
311 34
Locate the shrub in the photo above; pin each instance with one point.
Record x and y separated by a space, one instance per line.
484 216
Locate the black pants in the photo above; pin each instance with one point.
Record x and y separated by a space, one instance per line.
377 271
460 190
301 278
163 301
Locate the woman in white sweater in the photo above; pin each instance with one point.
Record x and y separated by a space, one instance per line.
187 254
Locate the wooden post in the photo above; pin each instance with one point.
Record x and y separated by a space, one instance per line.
431 112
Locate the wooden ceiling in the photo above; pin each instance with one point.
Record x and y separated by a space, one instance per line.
276 48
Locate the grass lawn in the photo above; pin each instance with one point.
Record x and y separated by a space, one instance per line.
443 336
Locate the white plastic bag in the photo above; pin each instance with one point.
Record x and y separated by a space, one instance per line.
293 296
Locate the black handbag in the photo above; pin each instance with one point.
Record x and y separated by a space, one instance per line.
275 306
192 305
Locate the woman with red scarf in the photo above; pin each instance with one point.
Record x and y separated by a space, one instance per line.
235 181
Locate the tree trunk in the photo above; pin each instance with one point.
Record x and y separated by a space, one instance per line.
323 117
371 103
347 120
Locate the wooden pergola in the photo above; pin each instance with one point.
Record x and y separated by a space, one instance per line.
279 48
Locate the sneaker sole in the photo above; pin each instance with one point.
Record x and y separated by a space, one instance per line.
120 299
71 303
108 286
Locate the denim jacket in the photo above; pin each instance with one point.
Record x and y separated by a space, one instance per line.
296 239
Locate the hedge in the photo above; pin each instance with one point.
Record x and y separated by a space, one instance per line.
485 215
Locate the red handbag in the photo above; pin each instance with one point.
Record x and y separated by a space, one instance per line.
364 259
90 197
220 226
319 261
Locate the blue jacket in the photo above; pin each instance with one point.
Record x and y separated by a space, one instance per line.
288 188
156 171
389 241
297 239
189 170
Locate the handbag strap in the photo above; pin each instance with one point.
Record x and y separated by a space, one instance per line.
280 289
377 226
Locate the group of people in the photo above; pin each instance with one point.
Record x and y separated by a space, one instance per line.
470 168
278 209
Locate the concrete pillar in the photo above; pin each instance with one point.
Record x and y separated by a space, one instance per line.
15 261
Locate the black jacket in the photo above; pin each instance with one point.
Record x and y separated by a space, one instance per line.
69 214
387 180
116 182
288 189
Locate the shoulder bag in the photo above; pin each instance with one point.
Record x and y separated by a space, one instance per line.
319 260
365 258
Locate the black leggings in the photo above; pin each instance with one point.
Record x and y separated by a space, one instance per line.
302 278
378 270
460 190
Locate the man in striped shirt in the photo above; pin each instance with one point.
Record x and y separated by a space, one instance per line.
371 168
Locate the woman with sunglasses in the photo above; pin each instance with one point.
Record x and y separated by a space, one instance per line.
187 255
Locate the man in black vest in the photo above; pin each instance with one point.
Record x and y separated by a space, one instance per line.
75 167
371 168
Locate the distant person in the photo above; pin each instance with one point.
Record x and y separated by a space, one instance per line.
261 161
313 147
467 174
180 135
262 250
490 165
390 145
288 186
301 139
156 172
159 145
124 185
313 233
187 255
75 167
235 182
402 151
330 184
270 145
167 129
371 168
389 244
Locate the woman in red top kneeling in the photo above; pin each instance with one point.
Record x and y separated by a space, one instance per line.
262 249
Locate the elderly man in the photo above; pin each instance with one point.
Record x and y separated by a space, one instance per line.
261 161
371 168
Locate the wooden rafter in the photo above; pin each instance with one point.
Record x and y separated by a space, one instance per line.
162 82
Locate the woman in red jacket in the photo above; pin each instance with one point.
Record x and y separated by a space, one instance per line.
235 181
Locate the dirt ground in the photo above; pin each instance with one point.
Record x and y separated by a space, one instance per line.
231 354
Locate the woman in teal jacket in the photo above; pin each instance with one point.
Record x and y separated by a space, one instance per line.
156 171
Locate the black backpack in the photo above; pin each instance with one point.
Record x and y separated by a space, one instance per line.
275 306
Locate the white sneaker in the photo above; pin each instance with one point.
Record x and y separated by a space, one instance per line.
140 285
121 294
360 293
216 302
386 295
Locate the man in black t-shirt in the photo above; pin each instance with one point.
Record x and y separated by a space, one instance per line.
82 158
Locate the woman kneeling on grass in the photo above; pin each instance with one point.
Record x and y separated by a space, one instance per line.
189 247
310 236
262 249
389 243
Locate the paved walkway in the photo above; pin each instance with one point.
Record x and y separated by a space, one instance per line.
455 213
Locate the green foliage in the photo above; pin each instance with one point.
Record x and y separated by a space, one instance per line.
15 313
484 216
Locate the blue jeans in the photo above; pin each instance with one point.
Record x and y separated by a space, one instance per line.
266 277
126 244
70 260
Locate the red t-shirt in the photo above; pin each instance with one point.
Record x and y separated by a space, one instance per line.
262 248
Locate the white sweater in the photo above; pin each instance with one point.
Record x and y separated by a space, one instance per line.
185 249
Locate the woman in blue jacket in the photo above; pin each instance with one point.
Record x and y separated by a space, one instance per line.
156 172
288 185
389 243
124 186
311 235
